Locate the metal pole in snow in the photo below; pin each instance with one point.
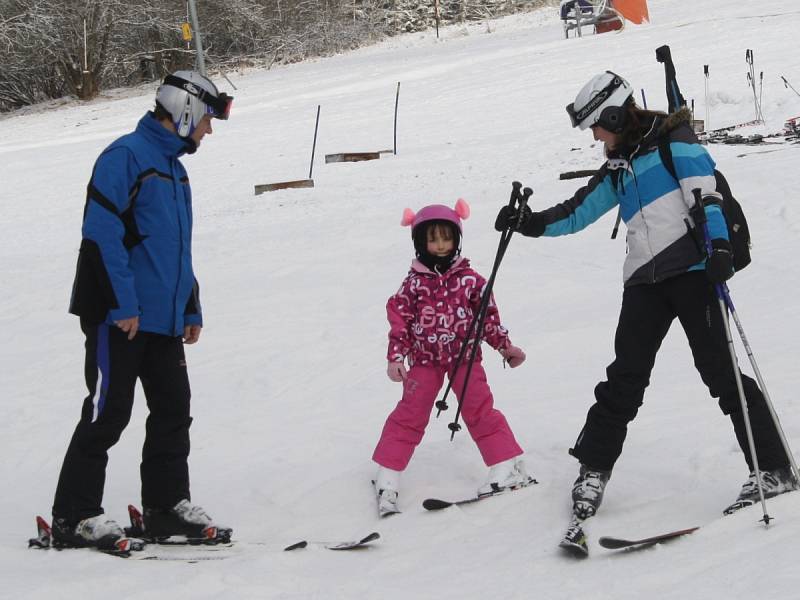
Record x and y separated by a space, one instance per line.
200 61
396 101
708 120
314 145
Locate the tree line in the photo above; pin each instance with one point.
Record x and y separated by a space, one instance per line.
55 48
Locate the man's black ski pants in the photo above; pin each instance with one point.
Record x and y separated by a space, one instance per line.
112 366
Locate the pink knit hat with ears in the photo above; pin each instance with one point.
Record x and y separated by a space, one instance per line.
437 212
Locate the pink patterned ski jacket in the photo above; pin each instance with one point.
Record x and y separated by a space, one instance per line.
430 315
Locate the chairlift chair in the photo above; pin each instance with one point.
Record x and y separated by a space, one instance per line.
598 14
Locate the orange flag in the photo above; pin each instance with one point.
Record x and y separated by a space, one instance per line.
634 11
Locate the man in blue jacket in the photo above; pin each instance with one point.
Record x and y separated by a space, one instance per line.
138 302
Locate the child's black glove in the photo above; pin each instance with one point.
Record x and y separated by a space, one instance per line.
719 265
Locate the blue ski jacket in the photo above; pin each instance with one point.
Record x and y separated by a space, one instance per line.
653 204
135 258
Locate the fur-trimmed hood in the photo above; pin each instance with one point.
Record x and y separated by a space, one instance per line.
675 120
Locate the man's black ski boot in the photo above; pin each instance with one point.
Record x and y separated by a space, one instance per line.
184 519
94 532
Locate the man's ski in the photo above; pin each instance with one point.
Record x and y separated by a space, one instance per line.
437 504
121 547
614 543
211 536
185 553
574 541
365 541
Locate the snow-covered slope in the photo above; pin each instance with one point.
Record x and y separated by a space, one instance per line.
289 390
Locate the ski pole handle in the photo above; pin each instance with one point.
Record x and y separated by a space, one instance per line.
516 186
698 213
523 202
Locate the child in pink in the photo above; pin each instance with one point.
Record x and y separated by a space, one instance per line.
429 318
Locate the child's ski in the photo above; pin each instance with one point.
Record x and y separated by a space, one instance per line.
437 504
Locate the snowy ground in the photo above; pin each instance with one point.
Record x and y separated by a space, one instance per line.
289 386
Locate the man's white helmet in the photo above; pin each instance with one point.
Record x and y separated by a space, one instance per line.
601 102
187 96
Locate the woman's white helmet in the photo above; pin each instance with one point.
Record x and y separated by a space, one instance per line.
601 102
187 96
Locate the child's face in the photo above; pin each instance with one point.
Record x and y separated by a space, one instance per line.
440 241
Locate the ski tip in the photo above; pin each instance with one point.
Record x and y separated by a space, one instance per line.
612 543
297 546
436 504
42 539
360 544
370 538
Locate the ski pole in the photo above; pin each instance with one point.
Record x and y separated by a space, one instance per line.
788 85
674 97
760 379
735 363
505 238
751 80
516 186
708 120
481 315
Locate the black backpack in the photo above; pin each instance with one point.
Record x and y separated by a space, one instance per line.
738 231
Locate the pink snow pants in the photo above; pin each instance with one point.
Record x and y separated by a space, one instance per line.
406 424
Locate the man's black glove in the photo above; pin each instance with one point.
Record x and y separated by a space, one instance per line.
530 223
719 266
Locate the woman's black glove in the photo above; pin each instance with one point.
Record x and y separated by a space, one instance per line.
719 265
530 223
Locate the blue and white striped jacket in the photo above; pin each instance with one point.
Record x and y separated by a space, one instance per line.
652 203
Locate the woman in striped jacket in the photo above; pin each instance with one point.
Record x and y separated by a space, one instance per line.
667 275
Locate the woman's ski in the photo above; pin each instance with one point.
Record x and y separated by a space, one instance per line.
613 543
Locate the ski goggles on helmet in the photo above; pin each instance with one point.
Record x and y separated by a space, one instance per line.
219 107
609 118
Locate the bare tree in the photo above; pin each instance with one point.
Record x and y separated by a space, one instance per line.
51 48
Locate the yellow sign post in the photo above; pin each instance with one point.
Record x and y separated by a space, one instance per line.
187 32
